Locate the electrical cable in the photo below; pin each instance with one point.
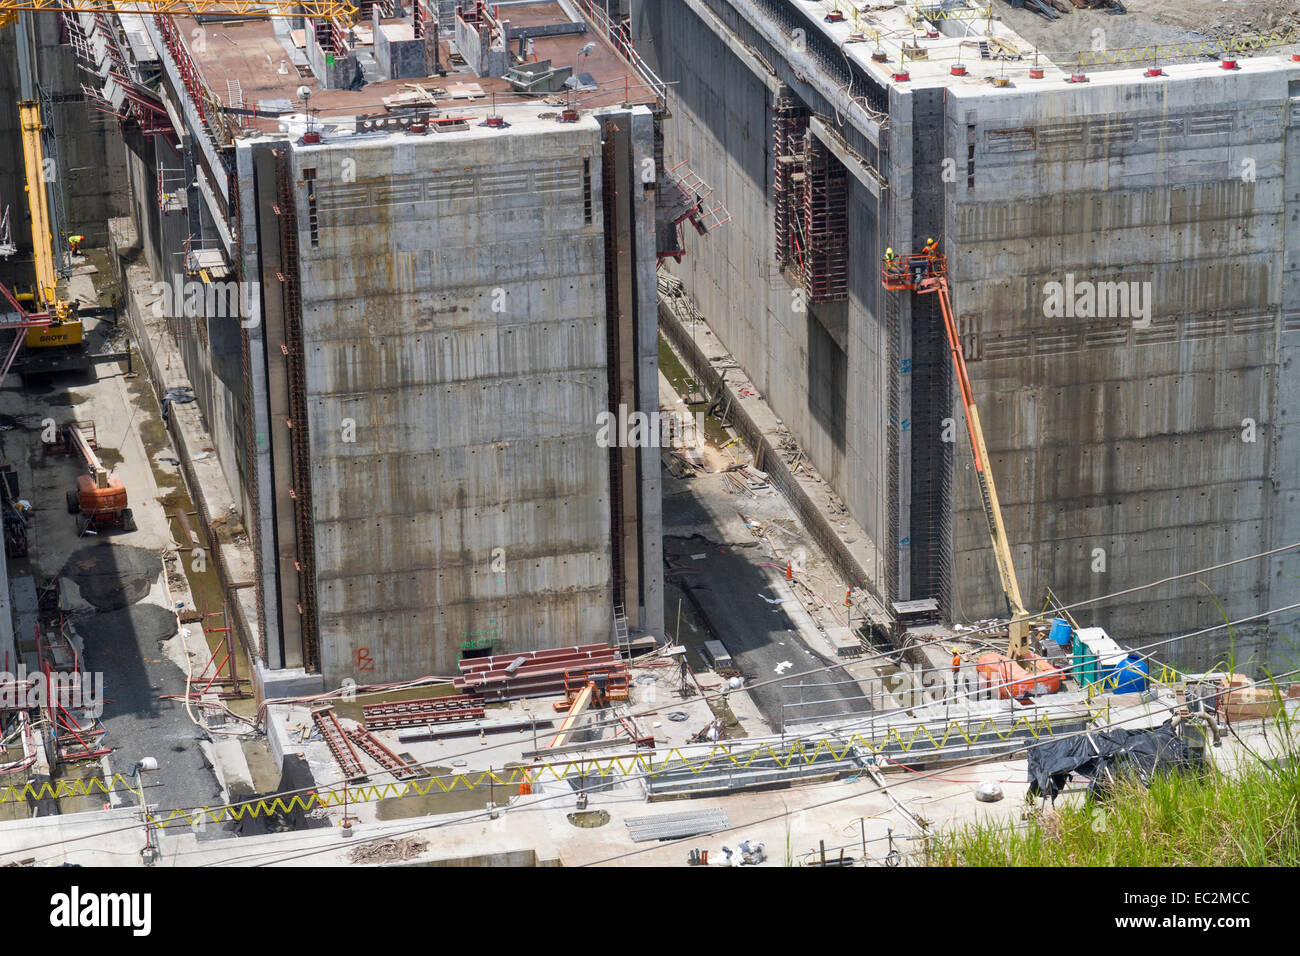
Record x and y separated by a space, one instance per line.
1144 587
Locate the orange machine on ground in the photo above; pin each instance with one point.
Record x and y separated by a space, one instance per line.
100 497
1017 679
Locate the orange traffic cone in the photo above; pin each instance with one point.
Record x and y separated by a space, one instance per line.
789 572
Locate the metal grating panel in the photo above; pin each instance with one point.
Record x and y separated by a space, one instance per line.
670 826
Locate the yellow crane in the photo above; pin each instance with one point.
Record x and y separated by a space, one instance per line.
927 273
64 329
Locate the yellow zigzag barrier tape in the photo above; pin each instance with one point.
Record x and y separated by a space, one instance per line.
61 789
648 765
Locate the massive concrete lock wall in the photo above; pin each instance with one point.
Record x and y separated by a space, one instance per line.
1115 445
452 349
1131 440
824 368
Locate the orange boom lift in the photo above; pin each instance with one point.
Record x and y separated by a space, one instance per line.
928 273
100 496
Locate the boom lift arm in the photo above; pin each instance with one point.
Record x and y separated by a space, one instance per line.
925 274
86 450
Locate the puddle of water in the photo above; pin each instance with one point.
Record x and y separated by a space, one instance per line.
680 379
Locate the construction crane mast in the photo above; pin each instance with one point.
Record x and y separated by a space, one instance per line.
927 273
53 329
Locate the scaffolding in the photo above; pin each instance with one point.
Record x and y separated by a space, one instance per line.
810 189
789 126
300 490
171 190
825 224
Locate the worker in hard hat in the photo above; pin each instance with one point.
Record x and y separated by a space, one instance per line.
956 671
931 247
74 243
891 261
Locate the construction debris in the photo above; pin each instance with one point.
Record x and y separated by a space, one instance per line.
389 851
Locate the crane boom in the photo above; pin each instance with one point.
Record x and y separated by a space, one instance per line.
47 280
87 452
928 274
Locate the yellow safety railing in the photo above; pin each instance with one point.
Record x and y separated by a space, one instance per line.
650 764
1172 51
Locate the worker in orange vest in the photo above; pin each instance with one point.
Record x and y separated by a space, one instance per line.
931 248
956 670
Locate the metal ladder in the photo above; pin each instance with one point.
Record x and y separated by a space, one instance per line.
622 639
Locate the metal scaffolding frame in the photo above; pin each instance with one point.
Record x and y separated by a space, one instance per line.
825 224
300 491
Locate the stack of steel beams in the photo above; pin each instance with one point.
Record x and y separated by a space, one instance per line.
533 673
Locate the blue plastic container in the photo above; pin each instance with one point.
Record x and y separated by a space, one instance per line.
1130 676
1061 631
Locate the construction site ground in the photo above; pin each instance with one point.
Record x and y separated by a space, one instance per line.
744 570
546 827
121 590
1147 23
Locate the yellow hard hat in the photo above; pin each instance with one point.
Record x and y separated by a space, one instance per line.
889 251
931 242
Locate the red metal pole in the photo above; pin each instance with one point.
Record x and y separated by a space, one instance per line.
214 676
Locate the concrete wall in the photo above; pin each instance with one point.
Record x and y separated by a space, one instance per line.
1109 438
92 161
334 72
483 47
1102 435
825 369
397 59
453 320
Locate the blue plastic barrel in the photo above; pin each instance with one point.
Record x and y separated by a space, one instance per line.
1131 675
1061 631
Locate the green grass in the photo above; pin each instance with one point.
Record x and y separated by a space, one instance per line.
1249 819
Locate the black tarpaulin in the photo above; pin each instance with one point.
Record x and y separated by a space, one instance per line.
1101 755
